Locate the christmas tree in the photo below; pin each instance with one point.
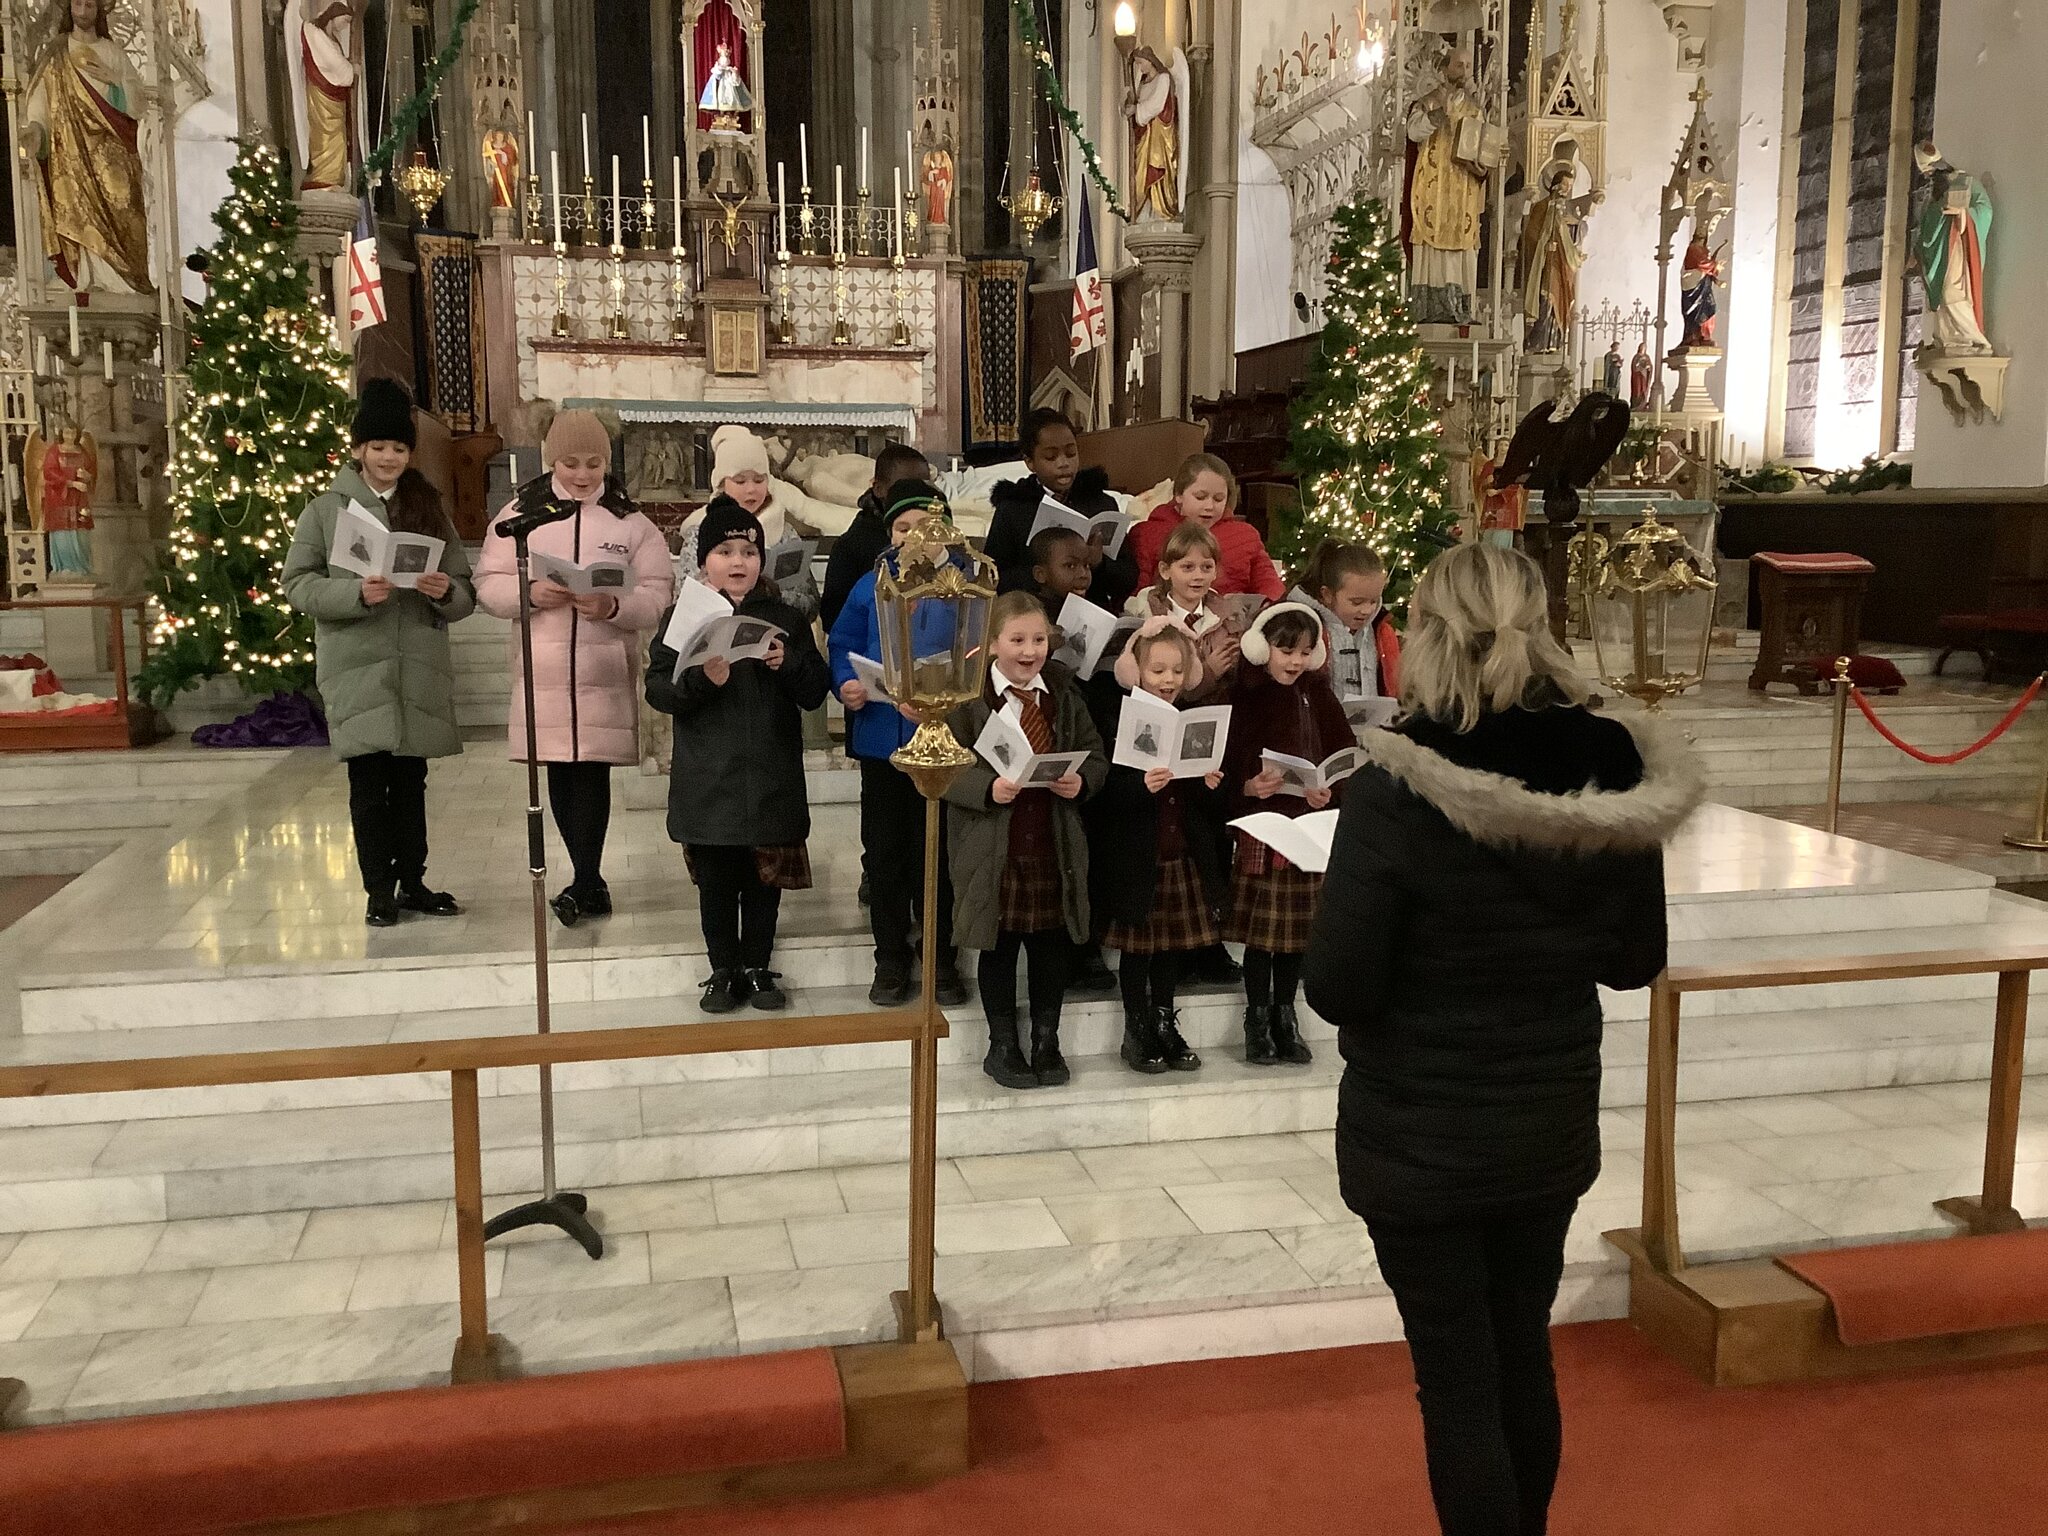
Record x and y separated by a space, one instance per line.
264 427
1365 435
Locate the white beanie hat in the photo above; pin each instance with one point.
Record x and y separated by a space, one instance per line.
734 451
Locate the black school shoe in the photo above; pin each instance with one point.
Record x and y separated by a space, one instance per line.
415 897
764 993
382 912
592 901
1215 968
1090 974
891 987
725 991
567 909
950 988
1287 1042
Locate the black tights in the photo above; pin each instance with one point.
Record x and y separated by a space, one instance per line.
1270 980
739 912
1147 980
1051 953
387 805
581 796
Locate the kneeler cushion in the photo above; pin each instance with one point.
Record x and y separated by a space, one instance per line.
182 1474
1947 1285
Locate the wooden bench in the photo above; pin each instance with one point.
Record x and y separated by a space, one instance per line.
1751 1321
2010 638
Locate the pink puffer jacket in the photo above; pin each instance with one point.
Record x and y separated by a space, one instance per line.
586 683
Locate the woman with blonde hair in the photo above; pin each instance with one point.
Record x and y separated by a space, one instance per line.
1497 860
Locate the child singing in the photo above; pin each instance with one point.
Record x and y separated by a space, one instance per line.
1154 844
1344 584
1020 856
1053 455
1205 491
1185 591
1282 702
736 796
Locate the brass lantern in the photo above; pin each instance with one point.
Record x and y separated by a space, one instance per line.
1651 601
932 598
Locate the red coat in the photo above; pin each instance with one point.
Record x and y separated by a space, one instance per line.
1245 567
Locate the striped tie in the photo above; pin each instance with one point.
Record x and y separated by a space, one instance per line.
1037 729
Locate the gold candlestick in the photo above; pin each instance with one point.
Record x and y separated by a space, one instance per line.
534 208
617 328
647 219
842 295
785 322
861 232
592 230
561 327
680 315
910 226
807 225
901 336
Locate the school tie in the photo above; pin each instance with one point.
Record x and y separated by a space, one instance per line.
1037 729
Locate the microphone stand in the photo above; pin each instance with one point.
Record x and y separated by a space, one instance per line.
561 1208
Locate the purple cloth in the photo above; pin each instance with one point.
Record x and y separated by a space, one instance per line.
282 720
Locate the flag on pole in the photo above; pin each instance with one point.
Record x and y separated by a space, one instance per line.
1090 327
365 274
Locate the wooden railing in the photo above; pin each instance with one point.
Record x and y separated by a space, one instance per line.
476 1356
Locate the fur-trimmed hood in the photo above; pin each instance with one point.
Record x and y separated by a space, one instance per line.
1499 811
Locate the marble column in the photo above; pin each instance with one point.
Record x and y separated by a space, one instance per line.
1214 198
1166 256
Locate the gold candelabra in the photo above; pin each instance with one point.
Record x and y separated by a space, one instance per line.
680 316
862 235
807 224
593 232
422 184
900 337
561 327
1033 208
534 208
842 295
785 320
910 225
647 231
617 328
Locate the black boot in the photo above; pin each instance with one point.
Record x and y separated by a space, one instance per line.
1141 1051
1173 1050
1046 1060
1215 968
1005 1059
1258 1037
1287 1042
592 900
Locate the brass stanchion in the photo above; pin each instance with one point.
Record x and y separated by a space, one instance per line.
2037 840
1841 682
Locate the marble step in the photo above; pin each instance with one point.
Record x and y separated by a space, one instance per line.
147 805
71 775
57 853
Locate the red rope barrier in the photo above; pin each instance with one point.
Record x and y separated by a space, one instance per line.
1941 758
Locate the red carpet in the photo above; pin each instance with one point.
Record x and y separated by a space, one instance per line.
1302 1445
1892 1291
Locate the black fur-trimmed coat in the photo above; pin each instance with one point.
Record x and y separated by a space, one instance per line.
1482 886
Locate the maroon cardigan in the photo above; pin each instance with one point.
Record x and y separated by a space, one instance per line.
1304 720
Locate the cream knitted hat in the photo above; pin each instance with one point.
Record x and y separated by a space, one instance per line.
734 451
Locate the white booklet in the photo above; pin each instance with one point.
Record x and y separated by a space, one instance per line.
1303 841
1053 513
1086 628
1151 733
614 577
1371 712
1298 775
365 547
868 673
1005 748
703 626
789 563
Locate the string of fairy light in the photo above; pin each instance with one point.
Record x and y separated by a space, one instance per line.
1366 438
267 427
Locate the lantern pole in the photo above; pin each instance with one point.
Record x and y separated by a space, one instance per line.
1841 686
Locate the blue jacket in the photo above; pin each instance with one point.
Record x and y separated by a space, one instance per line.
872 732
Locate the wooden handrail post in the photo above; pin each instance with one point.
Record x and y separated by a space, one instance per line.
476 1354
1660 1134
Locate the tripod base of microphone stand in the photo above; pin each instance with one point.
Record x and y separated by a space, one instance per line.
564 1210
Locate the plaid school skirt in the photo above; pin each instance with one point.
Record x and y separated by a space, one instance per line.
1031 897
1180 918
785 867
1272 904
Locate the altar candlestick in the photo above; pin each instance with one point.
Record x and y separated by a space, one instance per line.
583 133
618 230
532 147
512 468
77 347
782 203
896 222
864 156
1451 384
803 149
838 233
555 180
107 360
910 155
1475 361
646 151
677 167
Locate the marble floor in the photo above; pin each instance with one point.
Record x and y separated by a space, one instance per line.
1048 1261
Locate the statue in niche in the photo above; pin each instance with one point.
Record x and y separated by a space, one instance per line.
938 185
501 167
1156 101
725 90
1642 373
321 36
1446 195
81 132
59 481
1949 246
1699 287
1553 250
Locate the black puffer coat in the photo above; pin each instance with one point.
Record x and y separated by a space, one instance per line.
1481 885
1016 505
737 775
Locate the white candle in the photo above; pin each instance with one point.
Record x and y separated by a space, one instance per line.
555 180
782 203
77 347
910 155
864 182
532 148
1475 361
896 223
583 133
677 167
838 201
646 151
618 208
803 149
512 467
107 360
1451 383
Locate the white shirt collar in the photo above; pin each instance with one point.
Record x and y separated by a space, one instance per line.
1004 686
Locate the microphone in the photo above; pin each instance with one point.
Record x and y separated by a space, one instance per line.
553 509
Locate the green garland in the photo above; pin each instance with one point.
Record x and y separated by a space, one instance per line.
407 120
1027 28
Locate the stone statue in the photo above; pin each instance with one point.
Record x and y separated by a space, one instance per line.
79 127
501 167
321 35
1156 102
725 91
59 481
1642 373
1950 248
1445 196
1553 250
1699 286
938 185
